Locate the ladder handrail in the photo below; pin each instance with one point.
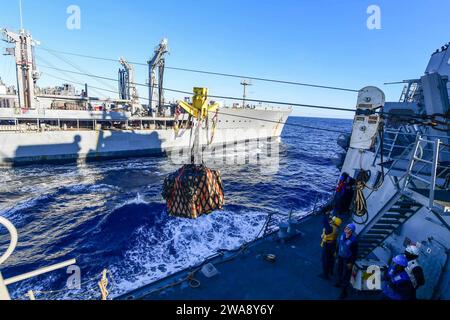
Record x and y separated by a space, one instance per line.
379 214
12 241
434 171
434 163
4 293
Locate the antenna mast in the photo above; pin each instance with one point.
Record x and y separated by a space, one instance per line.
245 83
21 18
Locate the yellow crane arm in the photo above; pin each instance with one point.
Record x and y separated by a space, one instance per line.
199 108
188 108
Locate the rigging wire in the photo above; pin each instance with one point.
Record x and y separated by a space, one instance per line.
53 51
220 112
284 123
214 96
400 117
90 86
81 70
75 80
432 121
209 72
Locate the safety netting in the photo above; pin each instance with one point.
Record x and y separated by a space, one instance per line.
193 190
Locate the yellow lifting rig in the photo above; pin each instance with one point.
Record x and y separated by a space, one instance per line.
199 109
194 189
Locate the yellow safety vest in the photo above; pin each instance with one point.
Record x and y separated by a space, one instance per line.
329 238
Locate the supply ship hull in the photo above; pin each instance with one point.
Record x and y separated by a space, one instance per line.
79 136
60 124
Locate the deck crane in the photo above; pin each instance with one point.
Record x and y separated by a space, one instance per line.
127 86
156 82
27 74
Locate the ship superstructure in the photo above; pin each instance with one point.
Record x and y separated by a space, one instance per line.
403 166
61 124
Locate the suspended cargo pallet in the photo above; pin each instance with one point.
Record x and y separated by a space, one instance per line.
193 190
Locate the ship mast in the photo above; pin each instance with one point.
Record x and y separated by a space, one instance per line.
26 71
245 83
127 86
21 15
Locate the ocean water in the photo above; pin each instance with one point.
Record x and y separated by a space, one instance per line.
111 214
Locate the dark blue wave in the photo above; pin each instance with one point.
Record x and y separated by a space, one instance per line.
111 214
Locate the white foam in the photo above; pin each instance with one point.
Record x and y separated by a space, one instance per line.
137 200
183 243
88 187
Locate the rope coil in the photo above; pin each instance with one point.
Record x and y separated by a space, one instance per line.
103 284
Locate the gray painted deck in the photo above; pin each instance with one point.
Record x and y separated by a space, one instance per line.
293 276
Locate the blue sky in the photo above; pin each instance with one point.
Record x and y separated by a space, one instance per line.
322 42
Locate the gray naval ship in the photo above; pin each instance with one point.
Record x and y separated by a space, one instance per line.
399 155
59 124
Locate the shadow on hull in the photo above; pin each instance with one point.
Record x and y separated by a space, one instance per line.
69 153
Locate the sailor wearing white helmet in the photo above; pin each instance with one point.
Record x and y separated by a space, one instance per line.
414 270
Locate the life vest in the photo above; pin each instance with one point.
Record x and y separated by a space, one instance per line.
341 186
344 246
330 237
393 279
409 270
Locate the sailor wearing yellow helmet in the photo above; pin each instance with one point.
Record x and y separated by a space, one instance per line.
328 244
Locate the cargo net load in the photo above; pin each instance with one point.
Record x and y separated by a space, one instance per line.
193 190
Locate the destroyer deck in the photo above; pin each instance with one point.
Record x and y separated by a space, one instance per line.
249 276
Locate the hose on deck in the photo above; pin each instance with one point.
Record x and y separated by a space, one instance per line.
360 204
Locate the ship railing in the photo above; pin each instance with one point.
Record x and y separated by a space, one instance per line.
66 124
428 174
403 156
411 90
398 160
4 283
396 141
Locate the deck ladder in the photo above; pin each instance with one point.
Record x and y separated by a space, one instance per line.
396 212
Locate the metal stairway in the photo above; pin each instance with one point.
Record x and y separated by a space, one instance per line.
425 176
396 212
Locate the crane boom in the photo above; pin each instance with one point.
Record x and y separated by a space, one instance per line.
127 86
156 82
